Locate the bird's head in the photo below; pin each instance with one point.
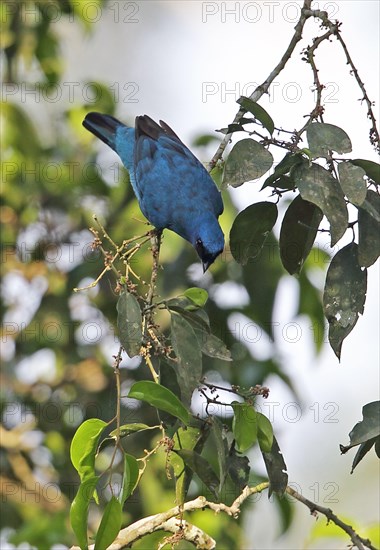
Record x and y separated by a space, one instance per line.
209 241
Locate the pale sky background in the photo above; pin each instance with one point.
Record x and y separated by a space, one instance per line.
187 62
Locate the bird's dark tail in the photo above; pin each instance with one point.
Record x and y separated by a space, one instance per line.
102 126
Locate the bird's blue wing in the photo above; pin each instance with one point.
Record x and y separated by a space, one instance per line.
172 183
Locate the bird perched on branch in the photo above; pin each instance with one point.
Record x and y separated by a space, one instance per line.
173 188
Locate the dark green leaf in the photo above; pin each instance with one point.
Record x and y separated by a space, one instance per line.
244 426
198 318
278 178
362 451
323 138
344 295
110 525
202 468
372 169
212 346
221 449
129 323
264 433
366 429
130 477
298 231
318 186
189 356
352 182
258 111
250 229
248 160
160 397
369 231
127 429
238 469
84 447
231 129
276 469
79 510
190 438
377 447
197 295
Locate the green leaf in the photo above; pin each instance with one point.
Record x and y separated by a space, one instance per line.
189 356
372 169
127 429
110 525
344 295
276 469
248 160
79 510
202 468
250 229
264 433
318 186
258 111
129 323
160 397
283 167
298 232
369 231
130 477
352 182
84 447
217 174
323 138
198 296
244 426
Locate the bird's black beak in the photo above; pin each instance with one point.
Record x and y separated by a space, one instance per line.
206 265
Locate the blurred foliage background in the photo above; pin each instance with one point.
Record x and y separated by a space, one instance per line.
57 345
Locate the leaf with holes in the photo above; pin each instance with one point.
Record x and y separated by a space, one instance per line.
276 469
344 295
372 169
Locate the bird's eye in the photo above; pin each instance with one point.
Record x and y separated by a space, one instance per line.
199 246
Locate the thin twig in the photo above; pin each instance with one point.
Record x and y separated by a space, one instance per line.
264 87
358 541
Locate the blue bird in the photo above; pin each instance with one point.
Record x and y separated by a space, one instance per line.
173 188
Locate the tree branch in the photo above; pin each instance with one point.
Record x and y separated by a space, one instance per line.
168 521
